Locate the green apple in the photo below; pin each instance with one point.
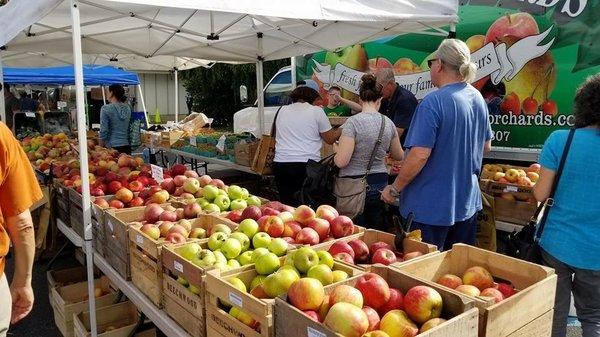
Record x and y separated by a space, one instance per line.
222 266
322 273
325 258
243 239
258 252
261 240
304 259
253 201
257 280
278 246
267 264
231 248
202 202
289 259
194 290
339 275
216 240
210 192
220 228
248 227
289 267
182 281
238 204
235 192
223 202
239 285
205 258
233 263
245 257
279 282
245 193
211 208
188 251
219 256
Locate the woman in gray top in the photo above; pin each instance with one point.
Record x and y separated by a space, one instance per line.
359 137
114 121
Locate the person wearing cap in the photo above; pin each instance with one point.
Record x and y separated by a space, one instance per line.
301 129
338 106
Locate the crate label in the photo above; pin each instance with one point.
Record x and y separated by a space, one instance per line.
139 239
511 189
157 173
310 332
235 299
30 114
178 266
193 141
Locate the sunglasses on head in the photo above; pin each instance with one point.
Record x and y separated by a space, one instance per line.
430 62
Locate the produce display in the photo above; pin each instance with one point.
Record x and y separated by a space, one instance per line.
523 177
477 281
369 308
356 251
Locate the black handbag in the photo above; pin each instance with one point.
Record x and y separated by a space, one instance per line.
525 243
317 188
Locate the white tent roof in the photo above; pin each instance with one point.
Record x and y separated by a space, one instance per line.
220 30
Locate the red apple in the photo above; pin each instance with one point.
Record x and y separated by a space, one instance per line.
115 203
291 229
377 245
374 289
179 180
479 277
124 194
307 236
345 257
269 211
168 216
165 227
136 186
235 216
396 301
342 226
101 202
373 317
411 255
341 247
273 226
326 212
507 290
218 183
152 212
204 180
422 303
493 293
168 185
384 256
361 250
114 186
191 211
251 212
321 226
151 230
136 201
449 280
178 169
175 237
303 214
97 192
312 315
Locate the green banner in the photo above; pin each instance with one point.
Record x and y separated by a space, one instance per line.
531 58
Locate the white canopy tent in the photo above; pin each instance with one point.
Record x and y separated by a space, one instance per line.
219 30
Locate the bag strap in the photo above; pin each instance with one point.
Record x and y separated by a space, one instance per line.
546 205
274 126
376 146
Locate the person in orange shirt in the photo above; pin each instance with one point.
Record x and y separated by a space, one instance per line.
19 190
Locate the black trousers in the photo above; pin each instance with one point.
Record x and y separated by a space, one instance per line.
123 149
289 178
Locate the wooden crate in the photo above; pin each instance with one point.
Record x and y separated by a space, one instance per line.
73 299
261 310
495 188
76 216
371 236
64 277
169 138
99 238
123 317
536 285
518 212
539 327
117 239
61 196
185 307
460 311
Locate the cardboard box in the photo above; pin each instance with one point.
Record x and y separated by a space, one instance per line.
518 212
169 138
460 311
244 152
536 286
117 320
218 289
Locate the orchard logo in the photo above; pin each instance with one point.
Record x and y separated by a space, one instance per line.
570 7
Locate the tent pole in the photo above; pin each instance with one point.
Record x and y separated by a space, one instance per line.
83 158
103 95
259 86
176 96
2 111
293 66
139 86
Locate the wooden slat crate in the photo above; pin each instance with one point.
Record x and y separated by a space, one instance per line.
460 311
117 320
536 286
185 307
64 277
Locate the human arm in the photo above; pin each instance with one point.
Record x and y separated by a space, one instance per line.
344 151
331 136
400 131
487 147
326 132
396 151
413 164
355 107
541 190
104 135
20 230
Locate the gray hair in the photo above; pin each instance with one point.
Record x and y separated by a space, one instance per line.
456 55
385 75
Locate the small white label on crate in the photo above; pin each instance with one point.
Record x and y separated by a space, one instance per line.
30 114
511 189
139 239
178 266
157 173
193 141
235 299
221 143
314 333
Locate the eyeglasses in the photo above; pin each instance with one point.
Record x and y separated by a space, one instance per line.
430 62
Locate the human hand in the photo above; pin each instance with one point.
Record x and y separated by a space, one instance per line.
22 302
388 196
396 166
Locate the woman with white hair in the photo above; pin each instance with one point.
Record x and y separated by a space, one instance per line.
446 140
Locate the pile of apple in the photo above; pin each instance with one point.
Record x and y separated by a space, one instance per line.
43 150
369 309
274 279
477 281
298 226
527 177
172 224
356 251
131 197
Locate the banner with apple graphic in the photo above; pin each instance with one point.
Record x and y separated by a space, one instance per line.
531 58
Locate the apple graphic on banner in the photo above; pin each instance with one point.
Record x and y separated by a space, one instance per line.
519 25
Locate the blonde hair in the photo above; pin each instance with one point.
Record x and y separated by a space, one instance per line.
456 55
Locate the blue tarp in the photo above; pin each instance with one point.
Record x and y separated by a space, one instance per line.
92 75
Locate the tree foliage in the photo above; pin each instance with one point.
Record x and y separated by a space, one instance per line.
215 91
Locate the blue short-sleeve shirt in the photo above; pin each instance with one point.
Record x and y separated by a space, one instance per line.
572 231
453 122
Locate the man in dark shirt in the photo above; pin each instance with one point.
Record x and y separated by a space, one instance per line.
398 103
11 104
27 103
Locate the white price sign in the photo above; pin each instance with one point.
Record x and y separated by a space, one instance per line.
178 266
235 299
30 114
193 141
157 173
61 104
221 144
140 239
